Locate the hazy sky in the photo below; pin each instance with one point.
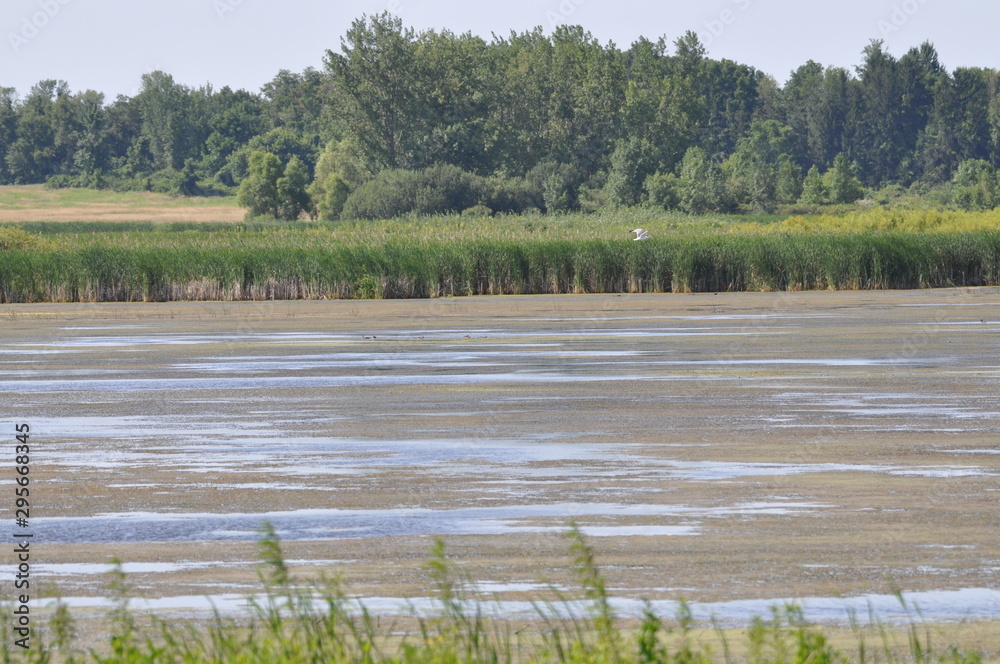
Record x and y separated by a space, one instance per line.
107 45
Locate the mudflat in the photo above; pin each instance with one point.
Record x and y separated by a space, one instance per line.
723 448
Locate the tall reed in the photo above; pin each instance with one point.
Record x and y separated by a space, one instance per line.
296 620
452 256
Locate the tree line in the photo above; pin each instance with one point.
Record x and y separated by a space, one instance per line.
398 121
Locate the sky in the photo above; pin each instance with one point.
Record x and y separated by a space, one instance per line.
107 45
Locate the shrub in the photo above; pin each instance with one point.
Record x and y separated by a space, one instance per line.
553 186
435 190
976 185
17 238
477 211
61 181
508 195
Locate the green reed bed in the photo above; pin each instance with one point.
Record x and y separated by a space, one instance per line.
451 256
294 620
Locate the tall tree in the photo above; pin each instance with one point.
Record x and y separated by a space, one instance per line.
379 73
165 107
663 109
702 187
8 129
258 192
458 87
918 72
302 103
632 162
878 147
43 144
293 198
90 157
237 117
788 187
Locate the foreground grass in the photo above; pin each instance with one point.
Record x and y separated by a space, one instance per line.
451 256
316 622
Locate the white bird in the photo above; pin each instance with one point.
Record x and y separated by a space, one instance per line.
639 235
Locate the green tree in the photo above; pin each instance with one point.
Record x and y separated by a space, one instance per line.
918 72
937 146
730 94
660 108
843 185
8 130
976 185
663 190
301 103
813 188
878 145
44 134
585 98
90 155
789 181
283 143
341 157
752 169
165 107
123 142
293 196
458 89
329 196
763 187
553 186
631 163
258 192
378 74
994 120
702 184
236 119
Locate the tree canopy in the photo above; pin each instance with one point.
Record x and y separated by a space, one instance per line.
550 121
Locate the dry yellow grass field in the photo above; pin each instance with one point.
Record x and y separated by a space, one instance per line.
24 203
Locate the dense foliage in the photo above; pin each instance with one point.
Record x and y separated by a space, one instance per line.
555 122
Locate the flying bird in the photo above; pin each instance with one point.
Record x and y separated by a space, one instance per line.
639 235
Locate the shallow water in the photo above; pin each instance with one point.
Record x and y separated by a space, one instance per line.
335 523
870 609
701 442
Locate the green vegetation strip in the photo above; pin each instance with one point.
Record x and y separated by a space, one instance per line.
452 256
315 621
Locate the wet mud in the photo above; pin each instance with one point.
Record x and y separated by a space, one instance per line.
731 449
